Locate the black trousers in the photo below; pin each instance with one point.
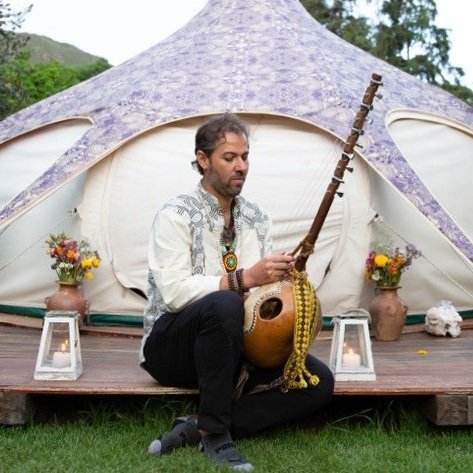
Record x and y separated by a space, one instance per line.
202 347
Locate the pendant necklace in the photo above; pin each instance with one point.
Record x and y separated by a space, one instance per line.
227 241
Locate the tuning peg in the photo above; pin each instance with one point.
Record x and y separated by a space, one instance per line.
349 169
358 131
340 194
379 96
337 180
359 146
376 79
347 156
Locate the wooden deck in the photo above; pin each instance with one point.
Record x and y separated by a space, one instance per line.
110 360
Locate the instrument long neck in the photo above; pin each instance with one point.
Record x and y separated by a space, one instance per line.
306 246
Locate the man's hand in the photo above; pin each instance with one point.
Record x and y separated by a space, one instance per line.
267 270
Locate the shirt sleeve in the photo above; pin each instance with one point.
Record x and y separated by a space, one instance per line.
170 261
268 240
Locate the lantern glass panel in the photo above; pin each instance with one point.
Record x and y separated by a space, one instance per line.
354 346
59 349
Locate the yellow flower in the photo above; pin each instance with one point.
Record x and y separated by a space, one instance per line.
96 262
86 263
381 261
88 275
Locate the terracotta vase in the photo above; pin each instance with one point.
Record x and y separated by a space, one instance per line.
388 314
68 297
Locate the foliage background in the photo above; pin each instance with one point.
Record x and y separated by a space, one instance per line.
401 32
34 67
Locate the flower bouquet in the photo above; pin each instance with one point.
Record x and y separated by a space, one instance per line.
386 264
74 260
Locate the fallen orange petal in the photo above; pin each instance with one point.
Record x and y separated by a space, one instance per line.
422 352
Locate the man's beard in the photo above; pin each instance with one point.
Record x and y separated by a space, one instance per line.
225 188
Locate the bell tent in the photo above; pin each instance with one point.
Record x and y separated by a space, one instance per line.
99 159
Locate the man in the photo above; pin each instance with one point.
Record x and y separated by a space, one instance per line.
207 249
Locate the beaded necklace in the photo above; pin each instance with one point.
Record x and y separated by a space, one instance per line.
227 241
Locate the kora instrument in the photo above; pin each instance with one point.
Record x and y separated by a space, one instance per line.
283 318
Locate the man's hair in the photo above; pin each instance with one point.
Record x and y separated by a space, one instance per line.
210 134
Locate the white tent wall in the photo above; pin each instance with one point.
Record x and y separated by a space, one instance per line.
440 151
291 165
441 155
23 159
442 273
26 277
25 274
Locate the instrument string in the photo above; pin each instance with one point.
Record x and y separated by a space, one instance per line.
295 225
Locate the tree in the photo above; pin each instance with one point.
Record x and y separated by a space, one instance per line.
340 19
409 39
10 21
89 70
35 82
403 33
23 83
10 44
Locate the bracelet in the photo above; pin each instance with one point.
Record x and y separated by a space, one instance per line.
232 282
239 278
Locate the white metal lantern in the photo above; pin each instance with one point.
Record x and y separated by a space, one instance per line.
59 355
351 358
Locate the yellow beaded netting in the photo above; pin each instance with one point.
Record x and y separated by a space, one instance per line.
307 324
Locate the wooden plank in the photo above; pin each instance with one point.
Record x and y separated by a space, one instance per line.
14 408
448 409
111 366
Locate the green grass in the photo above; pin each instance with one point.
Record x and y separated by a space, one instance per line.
103 434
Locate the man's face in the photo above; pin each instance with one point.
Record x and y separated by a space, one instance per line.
226 169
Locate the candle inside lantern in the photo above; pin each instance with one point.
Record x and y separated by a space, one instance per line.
62 358
351 359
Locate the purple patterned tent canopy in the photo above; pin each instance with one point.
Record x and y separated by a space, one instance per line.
244 56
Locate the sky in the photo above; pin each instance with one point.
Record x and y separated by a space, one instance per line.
118 30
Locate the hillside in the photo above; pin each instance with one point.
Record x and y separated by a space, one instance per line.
44 49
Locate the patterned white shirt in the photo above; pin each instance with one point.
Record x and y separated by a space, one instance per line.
185 250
